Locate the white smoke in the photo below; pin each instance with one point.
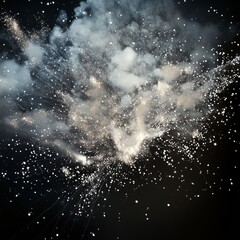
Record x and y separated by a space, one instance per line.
13 77
122 74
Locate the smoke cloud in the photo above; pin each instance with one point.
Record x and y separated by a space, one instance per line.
122 74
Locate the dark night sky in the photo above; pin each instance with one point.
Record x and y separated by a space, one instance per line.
208 217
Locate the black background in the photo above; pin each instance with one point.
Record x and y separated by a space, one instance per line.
211 216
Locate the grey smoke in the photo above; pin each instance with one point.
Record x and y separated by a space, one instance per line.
123 73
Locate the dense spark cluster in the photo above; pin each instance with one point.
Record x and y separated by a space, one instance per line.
125 82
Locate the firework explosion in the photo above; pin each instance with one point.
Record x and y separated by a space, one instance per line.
95 96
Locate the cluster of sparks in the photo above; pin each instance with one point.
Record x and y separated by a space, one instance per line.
124 86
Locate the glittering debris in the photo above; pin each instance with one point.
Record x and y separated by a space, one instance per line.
123 87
